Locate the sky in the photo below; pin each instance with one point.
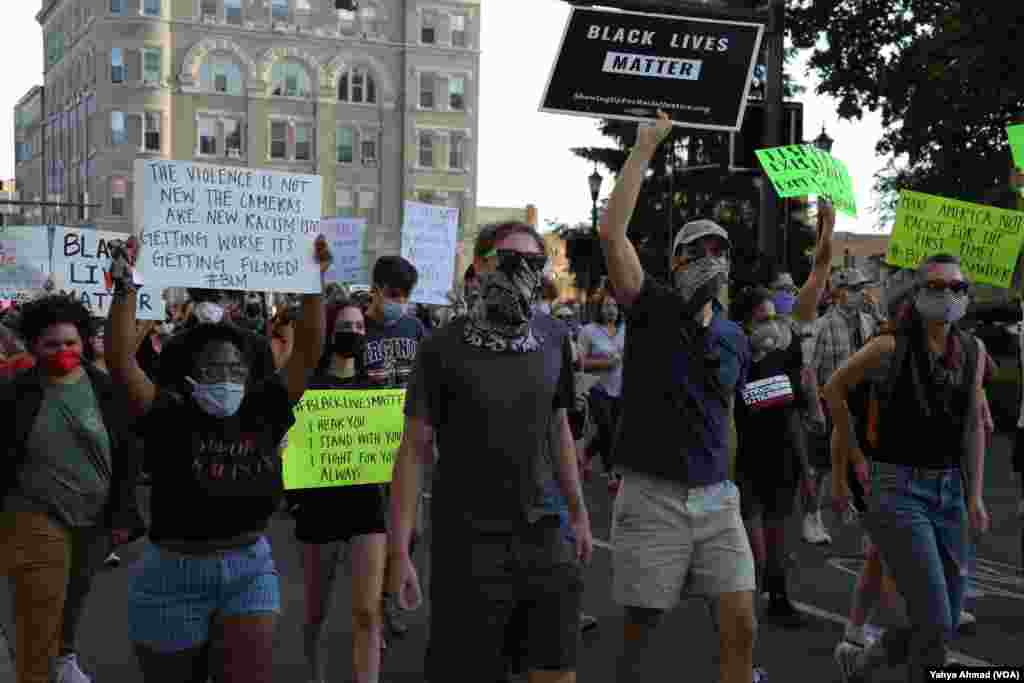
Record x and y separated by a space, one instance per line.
524 155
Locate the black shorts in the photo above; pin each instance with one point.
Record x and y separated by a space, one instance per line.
766 496
339 514
477 584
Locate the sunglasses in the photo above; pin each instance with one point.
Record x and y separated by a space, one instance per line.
510 259
955 286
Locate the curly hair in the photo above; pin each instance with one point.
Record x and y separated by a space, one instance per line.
747 301
55 309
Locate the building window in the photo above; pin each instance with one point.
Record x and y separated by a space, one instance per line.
152 65
367 205
151 131
427 87
357 86
304 135
346 144
118 128
233 12
344 203
117 6
233 138
368 149
279 10
428 31
278 140
207 137
116 65
457 93
54 48
118 191
151 8
220 74
459 31
456 148
426 150
290 79
208 10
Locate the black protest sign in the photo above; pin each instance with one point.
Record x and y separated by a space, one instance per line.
626 65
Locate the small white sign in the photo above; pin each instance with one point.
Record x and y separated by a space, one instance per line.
24 260
347 239
429 236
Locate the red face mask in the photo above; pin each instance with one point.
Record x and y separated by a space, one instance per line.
63 362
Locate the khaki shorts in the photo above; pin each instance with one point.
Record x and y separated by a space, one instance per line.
669 539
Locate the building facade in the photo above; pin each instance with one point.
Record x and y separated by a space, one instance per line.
381 102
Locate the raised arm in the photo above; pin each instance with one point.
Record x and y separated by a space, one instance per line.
624 269
122 333
806 309
309 332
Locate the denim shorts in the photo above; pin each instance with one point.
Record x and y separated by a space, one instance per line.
174 598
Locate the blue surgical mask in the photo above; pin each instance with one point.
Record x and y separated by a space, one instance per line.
392 312
218 399
784 302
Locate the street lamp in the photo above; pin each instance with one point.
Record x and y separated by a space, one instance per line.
823 141
595 181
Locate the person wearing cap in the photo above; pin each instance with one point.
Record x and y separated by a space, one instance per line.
677 524
841 332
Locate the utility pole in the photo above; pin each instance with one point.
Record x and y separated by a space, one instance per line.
770 214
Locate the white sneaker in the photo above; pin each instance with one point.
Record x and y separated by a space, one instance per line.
967 620
66 670
822 531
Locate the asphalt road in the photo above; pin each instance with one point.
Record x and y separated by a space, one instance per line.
687 644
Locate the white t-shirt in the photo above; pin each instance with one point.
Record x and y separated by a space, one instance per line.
597 344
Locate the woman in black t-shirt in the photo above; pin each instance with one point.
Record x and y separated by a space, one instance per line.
217 479
326 519
771 458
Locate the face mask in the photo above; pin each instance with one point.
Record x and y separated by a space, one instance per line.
507 300
209 313
941 306
392 312
63 363
218 399
609 313
784 303
348 344
707 272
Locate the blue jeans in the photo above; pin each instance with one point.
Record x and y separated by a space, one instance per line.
916 517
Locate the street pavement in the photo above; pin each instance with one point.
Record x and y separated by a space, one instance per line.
686 645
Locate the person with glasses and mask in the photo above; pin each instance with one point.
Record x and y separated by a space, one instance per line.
926 380
677 526
841 332
205 595
494 389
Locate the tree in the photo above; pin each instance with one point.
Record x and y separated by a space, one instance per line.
943 73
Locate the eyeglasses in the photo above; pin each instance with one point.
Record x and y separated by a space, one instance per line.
955 286
509 259
714 247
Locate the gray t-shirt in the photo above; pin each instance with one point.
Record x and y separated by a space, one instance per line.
492 414
67 471
596 343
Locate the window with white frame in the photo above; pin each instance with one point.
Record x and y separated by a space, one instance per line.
428 85
220 74
367 205
278 139
345 144
208 10
118 128
152 65
459 37
207 130
426 156
279 10
116 65
233 12
152 8
289 79
151 121
456 151
457 93
304 135
344 202
232 138
357 86
117 6
368 148
428 28
118 192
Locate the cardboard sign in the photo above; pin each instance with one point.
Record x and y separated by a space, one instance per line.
800 170
987 240
429 236
344 438
24 260
1016 136
347 237
227 227
80 260
627 65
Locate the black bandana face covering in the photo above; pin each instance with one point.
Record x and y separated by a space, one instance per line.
500 319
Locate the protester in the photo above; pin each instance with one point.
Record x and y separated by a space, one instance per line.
928 382
207 574
491 387
602 345
67 481
393 333
677 522
326 519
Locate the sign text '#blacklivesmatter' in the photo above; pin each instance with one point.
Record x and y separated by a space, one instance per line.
220 227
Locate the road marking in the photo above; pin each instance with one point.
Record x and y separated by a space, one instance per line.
989 579
598 543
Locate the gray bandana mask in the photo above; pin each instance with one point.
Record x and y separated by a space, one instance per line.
690 278
507 302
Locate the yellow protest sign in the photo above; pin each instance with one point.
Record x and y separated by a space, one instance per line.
344 438
987 240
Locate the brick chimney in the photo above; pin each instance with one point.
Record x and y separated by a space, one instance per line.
531 215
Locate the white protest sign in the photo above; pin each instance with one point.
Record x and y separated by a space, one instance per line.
347 238
429 236
24 260
227 227
80 263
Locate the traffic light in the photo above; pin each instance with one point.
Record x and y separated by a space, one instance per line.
751 135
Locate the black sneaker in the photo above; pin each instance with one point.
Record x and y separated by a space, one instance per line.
393 618
587 623
780 612
113 560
